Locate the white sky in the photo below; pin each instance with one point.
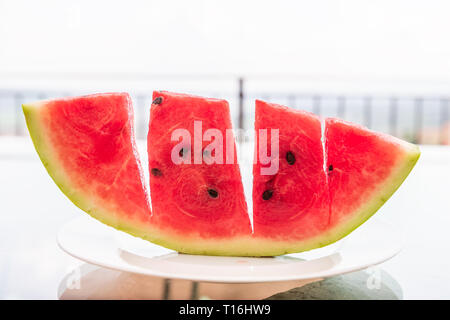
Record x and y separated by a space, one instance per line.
325 39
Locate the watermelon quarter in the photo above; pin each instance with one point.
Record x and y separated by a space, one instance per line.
333 175
196 191
87 146
364 169
291 203
314 180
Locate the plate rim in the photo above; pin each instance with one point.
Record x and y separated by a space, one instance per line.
217 279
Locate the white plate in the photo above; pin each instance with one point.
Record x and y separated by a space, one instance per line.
93 242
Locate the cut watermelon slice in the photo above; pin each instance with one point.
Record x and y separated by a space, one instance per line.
87 146
292 204
364 169
327 185
191 196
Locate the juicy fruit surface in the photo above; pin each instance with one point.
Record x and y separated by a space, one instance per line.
193 199
323 191
298 206
87 145
360 162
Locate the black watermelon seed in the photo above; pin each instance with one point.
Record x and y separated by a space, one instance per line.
330 168
290 158
213 193
156 172
158 100
267 194
181 153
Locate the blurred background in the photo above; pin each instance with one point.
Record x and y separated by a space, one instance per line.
384 64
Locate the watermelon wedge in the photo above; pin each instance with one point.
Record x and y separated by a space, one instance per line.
330 175
291 203
87 146
327 184
196 192
364 169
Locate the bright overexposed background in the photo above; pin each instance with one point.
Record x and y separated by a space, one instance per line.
384 64
353 39
286 51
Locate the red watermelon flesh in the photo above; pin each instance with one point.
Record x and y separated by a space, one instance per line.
292 204
87 146
331 182
364 170
319 194
194 200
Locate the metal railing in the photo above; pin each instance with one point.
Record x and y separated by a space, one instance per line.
419 119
